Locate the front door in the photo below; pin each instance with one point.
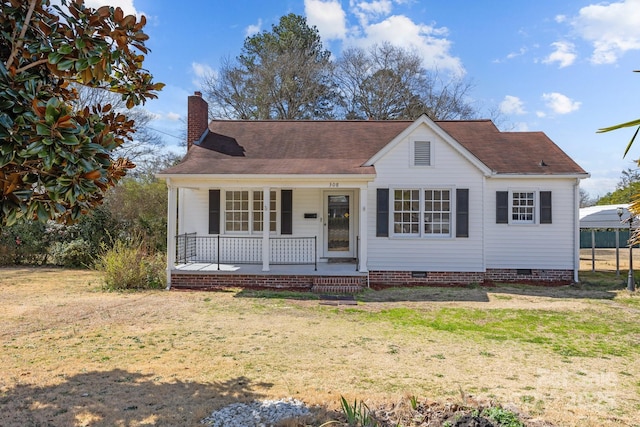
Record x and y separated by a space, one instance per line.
338 224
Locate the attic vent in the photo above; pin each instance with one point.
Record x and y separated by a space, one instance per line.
422 153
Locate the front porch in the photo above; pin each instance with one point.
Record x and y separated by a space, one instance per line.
213 262
220 234
327 277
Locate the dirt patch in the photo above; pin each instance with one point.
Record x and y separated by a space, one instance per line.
73 355
605 259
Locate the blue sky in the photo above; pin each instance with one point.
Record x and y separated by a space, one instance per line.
564 68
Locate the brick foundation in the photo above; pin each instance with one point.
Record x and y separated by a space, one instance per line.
203 281
377 280
544 277
383 279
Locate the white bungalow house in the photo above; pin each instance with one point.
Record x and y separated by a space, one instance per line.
379 203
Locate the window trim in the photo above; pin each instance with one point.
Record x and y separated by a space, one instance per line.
536 206
421 213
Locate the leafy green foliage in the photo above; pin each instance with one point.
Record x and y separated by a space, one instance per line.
627 187
503 417
140 207
24 243
621 195
128 265
55 161
357 414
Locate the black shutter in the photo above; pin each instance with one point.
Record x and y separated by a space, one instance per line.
214 211
462 212
286 212
382 212
502 207
545 207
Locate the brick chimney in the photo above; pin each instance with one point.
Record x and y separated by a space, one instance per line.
197 118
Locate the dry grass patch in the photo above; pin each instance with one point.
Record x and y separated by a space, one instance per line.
75 355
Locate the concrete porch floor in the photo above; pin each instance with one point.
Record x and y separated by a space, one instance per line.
324 269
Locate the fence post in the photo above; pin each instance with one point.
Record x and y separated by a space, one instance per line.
218 251
593 250
184 249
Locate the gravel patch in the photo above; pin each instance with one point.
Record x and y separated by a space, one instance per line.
264 413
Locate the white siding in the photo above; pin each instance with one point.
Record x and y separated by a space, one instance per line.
542 246
195 212
449 170
307 200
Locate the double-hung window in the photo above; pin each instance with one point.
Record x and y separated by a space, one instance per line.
422 212
406 212
523 207
236 215
258 211
437 212
244 211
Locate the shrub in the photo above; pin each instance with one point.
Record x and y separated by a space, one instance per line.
128 265
76 253
23 243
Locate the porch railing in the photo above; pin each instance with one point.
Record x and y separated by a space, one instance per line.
217 249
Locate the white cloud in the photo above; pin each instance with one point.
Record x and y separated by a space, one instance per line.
253 29
174 117
376 25
201 71
560 18
126 5
425 40
613 29
564 54
521 52
328 16
366 11
512 105
541 114
559 103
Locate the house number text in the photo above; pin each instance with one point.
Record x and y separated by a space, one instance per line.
334 184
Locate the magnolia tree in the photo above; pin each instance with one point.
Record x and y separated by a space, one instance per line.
56 160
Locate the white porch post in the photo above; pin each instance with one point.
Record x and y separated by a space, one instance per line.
171 229
363 215
266 217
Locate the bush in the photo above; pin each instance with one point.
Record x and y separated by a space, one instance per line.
76 253
23 243
128 265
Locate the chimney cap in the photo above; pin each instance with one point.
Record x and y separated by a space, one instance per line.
197 93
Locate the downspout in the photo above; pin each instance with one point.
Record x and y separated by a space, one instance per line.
576 230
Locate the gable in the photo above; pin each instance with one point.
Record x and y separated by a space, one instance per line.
419 145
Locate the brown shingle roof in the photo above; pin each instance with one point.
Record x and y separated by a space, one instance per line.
511 152
341 147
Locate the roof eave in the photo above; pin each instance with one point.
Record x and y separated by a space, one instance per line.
253 177
511 175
